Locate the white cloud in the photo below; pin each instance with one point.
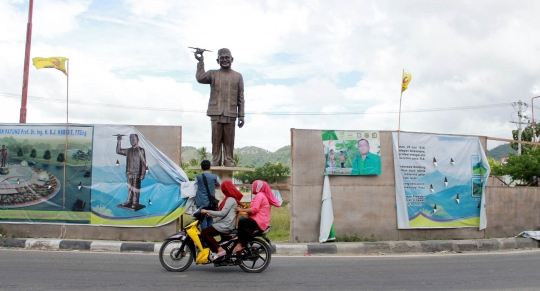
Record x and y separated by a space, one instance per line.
134 54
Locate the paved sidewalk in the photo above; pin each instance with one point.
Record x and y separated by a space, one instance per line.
300 249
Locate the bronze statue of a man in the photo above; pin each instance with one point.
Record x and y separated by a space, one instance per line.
135 170
225 104
3 155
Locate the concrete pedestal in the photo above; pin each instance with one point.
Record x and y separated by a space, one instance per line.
226 173
5 171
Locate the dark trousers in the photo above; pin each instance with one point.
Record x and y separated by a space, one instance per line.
134 190
222 134
207 235
246 228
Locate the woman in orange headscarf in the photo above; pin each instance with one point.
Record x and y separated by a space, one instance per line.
259 213
226 215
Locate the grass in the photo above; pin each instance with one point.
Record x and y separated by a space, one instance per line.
356 238
279 220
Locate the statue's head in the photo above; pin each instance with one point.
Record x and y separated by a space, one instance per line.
134 139
224 58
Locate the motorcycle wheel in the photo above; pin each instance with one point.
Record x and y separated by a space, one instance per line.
169 259
256 256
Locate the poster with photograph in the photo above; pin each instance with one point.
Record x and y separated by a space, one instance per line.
440 181
352 152
108 175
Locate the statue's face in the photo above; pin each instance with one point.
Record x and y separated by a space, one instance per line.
133 140
225 60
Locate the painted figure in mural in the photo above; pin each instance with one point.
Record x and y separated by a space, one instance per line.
135 170
366 163
342 158
332 158
225 105
4 154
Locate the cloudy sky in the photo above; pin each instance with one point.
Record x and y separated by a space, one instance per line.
306 64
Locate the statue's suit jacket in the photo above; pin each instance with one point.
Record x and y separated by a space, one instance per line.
226 91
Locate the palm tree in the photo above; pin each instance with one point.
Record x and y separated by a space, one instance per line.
203 154
193 162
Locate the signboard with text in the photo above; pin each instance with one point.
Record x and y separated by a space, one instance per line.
107 175
352 152
440 181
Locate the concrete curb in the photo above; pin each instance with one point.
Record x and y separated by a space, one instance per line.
353 248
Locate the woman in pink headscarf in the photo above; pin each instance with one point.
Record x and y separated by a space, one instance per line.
259 213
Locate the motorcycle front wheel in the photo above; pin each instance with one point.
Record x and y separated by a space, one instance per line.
256 256
173 259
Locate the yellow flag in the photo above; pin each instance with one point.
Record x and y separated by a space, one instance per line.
405 82
58 63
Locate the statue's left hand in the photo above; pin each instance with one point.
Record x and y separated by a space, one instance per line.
240 122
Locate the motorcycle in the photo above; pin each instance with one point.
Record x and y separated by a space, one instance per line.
182 248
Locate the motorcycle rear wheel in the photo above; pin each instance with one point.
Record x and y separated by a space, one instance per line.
256 256
169 259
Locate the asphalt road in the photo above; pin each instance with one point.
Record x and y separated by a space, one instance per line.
56 270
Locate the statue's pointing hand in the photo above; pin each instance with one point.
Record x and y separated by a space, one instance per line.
240 122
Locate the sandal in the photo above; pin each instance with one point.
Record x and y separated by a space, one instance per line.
217 256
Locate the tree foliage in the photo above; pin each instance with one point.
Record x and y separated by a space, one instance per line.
203 154
60 158
525 168
47 155
526 135
33 153
271 173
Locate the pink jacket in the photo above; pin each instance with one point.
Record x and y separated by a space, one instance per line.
260 211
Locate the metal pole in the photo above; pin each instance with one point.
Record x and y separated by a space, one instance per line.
22 116
519 129
533 125
399 118
67 128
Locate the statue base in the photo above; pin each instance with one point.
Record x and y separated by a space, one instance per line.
137 207
4 170
225 173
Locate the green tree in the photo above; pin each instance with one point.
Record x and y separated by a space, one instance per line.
237 160
33 153
47 155
271 173
496 167
526 135
203 154
27 148
525 168
190 173
60 158
20 152
193 162
79 156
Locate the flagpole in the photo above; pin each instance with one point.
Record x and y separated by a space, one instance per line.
67 128
399 119
22 116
